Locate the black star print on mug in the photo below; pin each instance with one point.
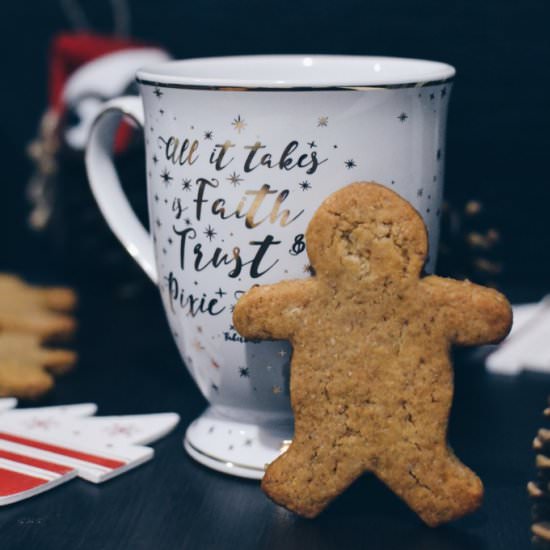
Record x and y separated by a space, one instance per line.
210 233
350 163
166 177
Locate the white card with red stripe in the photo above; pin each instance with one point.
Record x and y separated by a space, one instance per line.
43 447
23 476
7 403
77 425
78 410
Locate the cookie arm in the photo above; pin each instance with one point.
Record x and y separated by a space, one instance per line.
272 311
473 314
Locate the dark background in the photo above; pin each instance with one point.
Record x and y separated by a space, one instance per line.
499 120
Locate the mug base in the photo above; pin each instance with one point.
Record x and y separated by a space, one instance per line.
234 447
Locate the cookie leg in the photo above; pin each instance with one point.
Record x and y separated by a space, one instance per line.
310 475
58 299
435 484
23 381
57 361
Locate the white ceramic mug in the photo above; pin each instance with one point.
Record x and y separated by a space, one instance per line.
240 153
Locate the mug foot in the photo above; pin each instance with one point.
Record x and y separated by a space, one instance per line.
234 447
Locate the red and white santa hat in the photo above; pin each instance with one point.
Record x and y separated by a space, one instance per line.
87 69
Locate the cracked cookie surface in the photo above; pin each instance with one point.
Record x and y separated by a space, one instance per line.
371 380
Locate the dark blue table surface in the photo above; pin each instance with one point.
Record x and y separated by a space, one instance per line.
128 364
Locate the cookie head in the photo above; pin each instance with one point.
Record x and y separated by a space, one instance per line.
367 233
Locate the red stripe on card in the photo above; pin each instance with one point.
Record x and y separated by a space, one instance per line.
12 483
29 461
86 457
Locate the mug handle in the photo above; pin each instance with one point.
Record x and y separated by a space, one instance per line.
105 183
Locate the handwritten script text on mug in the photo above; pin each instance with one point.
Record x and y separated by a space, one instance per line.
208 202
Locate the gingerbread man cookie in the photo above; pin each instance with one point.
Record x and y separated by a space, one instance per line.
26 367
371 379
43 311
